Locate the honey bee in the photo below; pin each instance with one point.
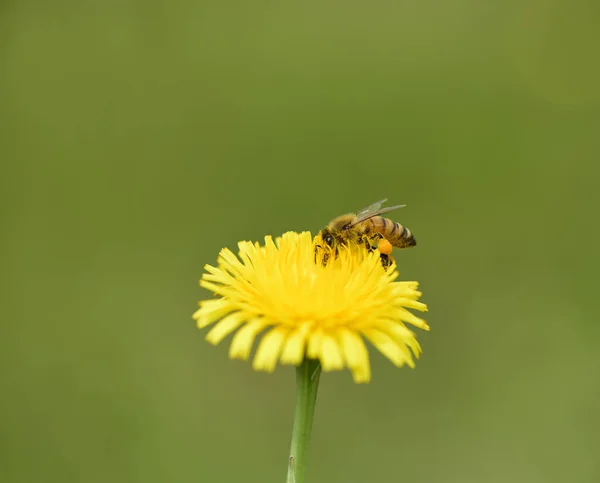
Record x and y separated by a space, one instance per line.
369 228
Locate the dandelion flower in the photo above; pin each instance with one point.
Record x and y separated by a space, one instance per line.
305 309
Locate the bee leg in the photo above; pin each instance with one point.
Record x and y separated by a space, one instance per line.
386 261
325 254
367 242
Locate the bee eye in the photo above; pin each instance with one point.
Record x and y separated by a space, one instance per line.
329 240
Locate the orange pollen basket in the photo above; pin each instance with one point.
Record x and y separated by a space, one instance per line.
385 247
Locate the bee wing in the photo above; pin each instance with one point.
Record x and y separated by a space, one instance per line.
374 210
371 208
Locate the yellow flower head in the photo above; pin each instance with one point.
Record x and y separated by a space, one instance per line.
310 310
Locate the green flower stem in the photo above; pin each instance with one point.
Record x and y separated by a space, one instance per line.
307 384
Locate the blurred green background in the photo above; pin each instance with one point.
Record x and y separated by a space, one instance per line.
138 138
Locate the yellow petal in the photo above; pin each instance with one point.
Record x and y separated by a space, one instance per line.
412 319
397 330
362 374
415 347
411 304
210 311
227 259
216 274
404 337
217 288
225 327
211 269
315 341
353 348
241 344
247 251
386 345
269 349
295 345
331 354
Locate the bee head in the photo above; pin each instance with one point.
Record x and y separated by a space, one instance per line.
327 237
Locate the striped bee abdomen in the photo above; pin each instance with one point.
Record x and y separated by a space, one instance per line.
397 234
